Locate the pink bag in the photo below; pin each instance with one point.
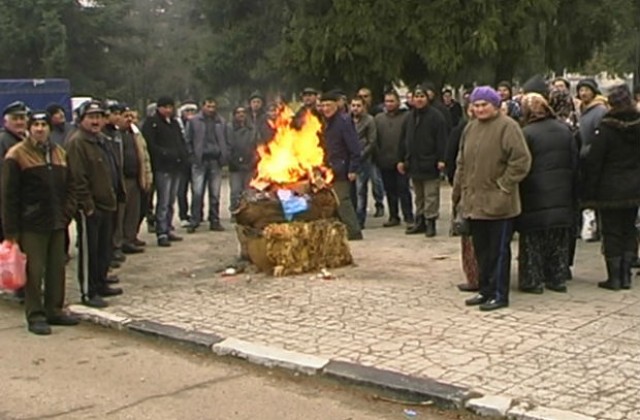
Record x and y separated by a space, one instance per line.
13 270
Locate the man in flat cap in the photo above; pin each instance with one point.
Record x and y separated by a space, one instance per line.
309 104
344 152
94 172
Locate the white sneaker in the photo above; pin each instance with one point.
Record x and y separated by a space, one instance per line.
185 223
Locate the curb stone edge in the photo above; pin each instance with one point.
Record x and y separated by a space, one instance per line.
443 394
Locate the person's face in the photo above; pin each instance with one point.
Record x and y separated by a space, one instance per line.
503 91
256 104
16 123
431 95
135 117
391 103
166 111
309 99
240 115
209 108
447 98
470 113
329 108
115 118
365 94
586 94
93 123
357 108
58 118
188 114
342 102
127 119
39 131
420 100
483 110
559 85
409 99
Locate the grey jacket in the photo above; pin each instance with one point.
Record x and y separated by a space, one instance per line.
389 129
367 134
589 121
60 134
196 131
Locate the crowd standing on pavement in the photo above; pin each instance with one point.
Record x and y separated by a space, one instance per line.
526 163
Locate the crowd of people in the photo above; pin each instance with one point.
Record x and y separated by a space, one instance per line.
527 163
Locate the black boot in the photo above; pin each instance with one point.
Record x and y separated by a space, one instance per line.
625 270
418 227
430 230
614 266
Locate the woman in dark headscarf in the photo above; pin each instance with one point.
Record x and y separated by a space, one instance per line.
547 192
612 185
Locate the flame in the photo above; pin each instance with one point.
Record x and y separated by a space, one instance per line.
292 155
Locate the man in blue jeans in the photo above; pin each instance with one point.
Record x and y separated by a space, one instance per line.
207 148
168 157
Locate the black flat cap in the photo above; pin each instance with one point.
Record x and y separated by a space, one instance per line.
309 91
15 108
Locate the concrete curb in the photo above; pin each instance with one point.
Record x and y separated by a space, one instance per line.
414 388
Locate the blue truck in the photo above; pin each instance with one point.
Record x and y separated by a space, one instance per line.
36 93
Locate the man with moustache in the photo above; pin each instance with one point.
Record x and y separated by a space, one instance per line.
95 176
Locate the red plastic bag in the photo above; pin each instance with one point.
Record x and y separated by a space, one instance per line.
13 266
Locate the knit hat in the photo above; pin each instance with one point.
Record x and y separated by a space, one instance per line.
165 101
486 93
590 83
39 116
620 98
256 95
536 84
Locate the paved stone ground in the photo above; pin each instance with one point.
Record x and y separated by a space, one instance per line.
398 309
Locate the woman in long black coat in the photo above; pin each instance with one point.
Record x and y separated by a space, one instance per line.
547 195
612 185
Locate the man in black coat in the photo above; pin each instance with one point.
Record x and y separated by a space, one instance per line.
168 156
422 155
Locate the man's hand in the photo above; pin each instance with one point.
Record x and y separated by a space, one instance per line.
441 166
401 168
352 176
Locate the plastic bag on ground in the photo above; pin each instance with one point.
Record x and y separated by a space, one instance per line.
13 266
589 225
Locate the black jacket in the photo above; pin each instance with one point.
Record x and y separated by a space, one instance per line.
167 148
424 143
611 172
342 147
242 148
453 146
547 193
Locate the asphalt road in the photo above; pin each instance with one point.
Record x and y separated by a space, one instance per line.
88 372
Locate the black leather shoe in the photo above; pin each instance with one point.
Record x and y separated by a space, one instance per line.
113 279
492 305
466 287
131 249
535 290
108 291
391 223
416 229
139 242
379 212
476 300
174 238
216 227
63 320
164 241
95 302
560 288
39 327
119 256
114 264
430 230
356 237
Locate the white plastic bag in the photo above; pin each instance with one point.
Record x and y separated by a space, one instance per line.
589 225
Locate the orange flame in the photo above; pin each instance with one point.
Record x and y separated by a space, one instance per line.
292 155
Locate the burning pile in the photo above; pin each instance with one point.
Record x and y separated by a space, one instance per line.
286 220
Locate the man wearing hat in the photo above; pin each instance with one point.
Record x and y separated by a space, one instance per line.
13 131
592 109
309 104
421 155
37 206
256 109
344 151
168 152
95 177
61 129
490 166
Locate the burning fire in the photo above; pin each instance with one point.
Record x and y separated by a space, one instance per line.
292 155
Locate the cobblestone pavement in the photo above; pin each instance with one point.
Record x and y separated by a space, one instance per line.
399 309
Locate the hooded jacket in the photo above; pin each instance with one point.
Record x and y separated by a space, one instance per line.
612 167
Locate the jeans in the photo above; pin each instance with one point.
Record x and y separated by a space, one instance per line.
239 181
378 186
166 192
362 187
209 174
183 188
396 186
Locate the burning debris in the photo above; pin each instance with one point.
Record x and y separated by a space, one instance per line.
287 219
